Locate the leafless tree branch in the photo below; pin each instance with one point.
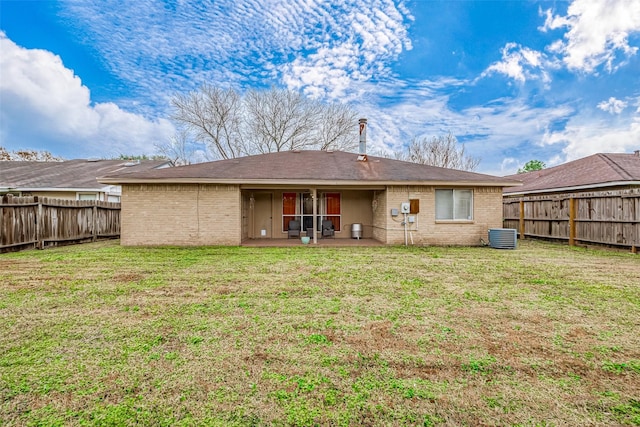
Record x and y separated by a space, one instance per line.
231 125
442 151
28 156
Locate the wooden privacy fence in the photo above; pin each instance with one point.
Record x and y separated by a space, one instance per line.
40 222
602 217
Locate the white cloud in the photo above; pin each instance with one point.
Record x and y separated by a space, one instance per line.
584 135
509 163
325 47
598 33
612 105
365 44
520 63
43 99
424 109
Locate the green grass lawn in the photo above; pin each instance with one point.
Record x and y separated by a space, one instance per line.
99 334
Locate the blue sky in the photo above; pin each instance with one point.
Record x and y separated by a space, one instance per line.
513 80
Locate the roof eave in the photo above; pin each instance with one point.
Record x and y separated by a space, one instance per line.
61 189
573 188
320 182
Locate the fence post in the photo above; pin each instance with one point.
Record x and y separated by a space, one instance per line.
6 228
522 219
572 221
37 219
39 223
95 221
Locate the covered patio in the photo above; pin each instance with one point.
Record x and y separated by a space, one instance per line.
268 212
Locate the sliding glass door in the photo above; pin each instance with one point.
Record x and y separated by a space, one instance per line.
299 206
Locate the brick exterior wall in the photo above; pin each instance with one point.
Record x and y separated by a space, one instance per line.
183 215
487 213
188 215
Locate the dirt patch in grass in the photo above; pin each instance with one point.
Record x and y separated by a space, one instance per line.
127 277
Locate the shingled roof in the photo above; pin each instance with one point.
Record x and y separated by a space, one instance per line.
598 170
70 174
308 167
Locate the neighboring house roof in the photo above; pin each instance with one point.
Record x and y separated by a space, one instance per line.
308 167
70 175
596 171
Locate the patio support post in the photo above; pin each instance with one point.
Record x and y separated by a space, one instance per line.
252 219
314 195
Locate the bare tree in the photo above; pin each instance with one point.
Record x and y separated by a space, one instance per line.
442 151
28 156
231 125
178 150
336 129
280 120
213 116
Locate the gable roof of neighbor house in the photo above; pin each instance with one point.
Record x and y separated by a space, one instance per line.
309 167
595 171
70 175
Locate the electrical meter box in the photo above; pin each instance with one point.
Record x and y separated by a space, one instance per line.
404 208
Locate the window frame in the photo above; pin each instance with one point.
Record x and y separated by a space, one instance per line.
83 196
455 203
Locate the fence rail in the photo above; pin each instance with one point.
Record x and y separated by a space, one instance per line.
40 222
602 217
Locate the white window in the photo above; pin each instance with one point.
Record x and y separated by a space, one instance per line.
87 196
454 205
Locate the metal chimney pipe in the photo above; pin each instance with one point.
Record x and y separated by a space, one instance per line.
363 136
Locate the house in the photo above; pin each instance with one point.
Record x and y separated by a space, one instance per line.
227 202
71 179
596 172
595 199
